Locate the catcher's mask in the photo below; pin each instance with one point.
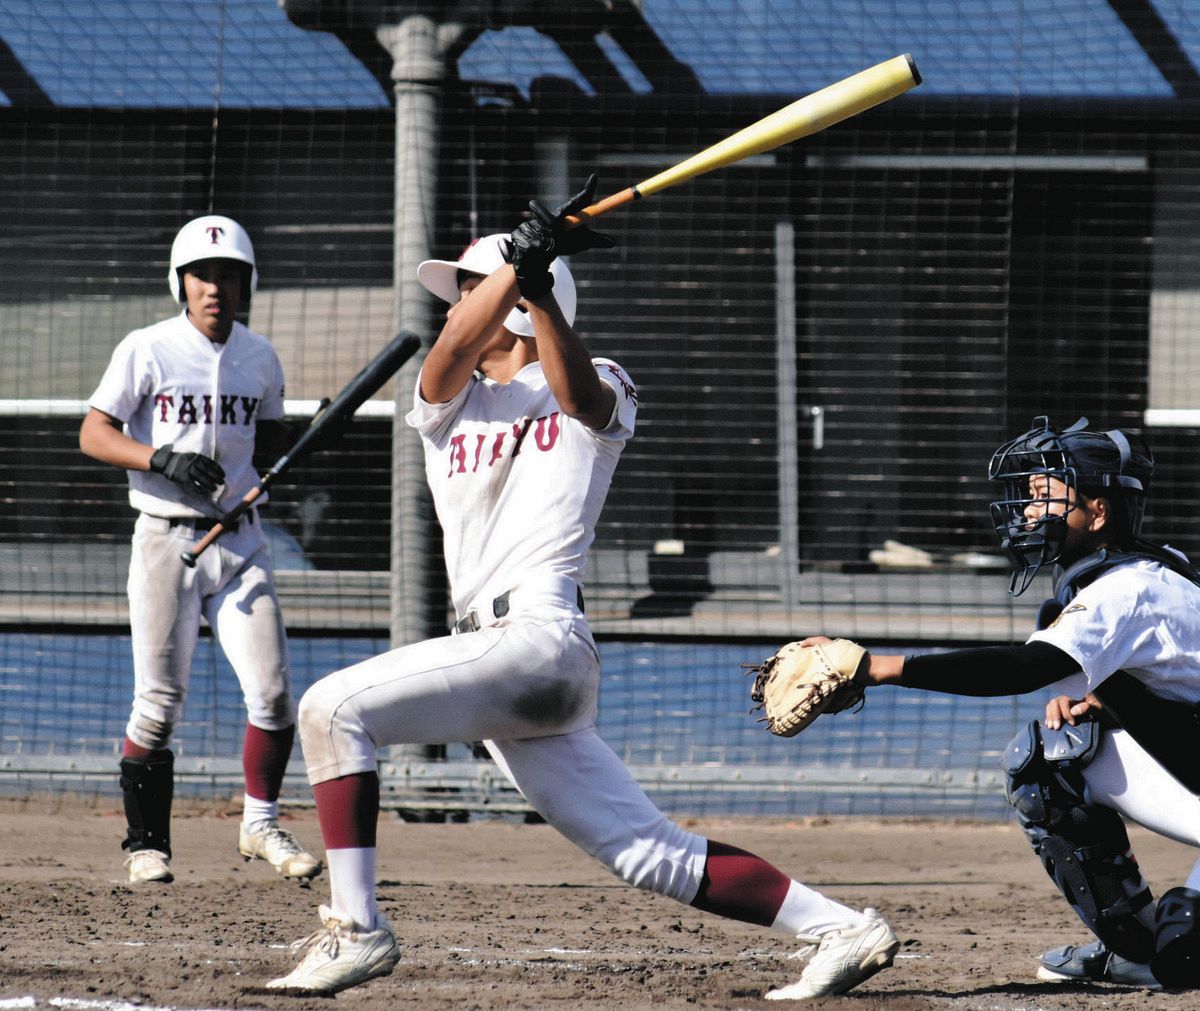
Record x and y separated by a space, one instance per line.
1092 464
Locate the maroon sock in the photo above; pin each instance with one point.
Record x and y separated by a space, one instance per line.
741 886
265 755
348 810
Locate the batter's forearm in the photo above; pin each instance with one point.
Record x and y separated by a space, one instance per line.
101 437
568 366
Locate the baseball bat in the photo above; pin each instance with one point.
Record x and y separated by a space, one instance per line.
374 374
811 114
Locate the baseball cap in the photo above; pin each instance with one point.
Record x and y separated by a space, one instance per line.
484 256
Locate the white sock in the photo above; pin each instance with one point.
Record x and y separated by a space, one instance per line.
255 810
352 885
1193 879
805 911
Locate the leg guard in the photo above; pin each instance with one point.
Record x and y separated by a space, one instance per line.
1176 961
148 786
1084 847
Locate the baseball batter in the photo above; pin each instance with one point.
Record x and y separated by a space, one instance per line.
522 431
181 407
1121 639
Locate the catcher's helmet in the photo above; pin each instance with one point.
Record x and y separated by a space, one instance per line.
212 237
1096 464
482 257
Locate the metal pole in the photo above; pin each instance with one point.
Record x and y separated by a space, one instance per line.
786 419
417 73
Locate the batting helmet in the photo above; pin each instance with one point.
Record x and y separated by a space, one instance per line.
1094 464
212 237
482 257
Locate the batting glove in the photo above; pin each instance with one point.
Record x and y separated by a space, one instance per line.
193 472
536 243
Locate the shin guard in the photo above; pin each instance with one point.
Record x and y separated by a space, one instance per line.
1176 961
148 786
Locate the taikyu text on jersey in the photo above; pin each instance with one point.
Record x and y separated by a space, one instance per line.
487 449
235 410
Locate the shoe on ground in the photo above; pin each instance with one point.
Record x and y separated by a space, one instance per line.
338 956
278 847
149 865
1093 963
841 959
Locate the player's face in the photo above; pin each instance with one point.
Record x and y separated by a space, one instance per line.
213 289
1084 516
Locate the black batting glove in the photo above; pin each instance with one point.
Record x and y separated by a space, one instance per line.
536 243
531 250
193 472
568 241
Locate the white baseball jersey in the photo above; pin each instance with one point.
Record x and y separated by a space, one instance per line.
518 485
171 384
1141 618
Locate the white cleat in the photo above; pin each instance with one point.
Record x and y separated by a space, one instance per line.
149 865
841 959
339 956
278 847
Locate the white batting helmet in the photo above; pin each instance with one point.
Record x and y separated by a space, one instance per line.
482 257
212 237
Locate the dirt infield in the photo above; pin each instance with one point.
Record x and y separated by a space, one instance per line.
494 915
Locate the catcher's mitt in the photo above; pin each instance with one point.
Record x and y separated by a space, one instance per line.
799 683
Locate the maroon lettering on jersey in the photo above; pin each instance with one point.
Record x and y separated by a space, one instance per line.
208 408
229 403
497 448
187 410
163 400
545 432
248 406
519 432
626 386
480 439
458 455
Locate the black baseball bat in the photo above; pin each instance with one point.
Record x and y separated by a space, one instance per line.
374 374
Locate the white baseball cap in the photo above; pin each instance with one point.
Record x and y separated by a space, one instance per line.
482 257
212 237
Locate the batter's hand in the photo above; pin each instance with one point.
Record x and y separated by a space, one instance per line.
1064 709
536 243
193 472
567 241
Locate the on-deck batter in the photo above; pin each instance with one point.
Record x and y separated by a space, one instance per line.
522 431
182 406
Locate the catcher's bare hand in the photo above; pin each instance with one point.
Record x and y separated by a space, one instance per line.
1064 709
805 679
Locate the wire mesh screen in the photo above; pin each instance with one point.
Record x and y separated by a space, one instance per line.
828 338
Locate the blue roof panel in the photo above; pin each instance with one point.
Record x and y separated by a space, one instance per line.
246 53
172 53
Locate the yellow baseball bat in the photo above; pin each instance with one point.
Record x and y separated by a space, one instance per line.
809 115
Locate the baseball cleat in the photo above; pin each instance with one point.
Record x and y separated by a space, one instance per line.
339 956
841 959
1093 963
278 847
149 865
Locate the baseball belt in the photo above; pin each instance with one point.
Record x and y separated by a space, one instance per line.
206 523
470 622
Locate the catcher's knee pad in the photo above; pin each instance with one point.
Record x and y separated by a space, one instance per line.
1084 847
148 786
1176 961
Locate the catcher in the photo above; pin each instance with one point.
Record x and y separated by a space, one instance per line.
1121 640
